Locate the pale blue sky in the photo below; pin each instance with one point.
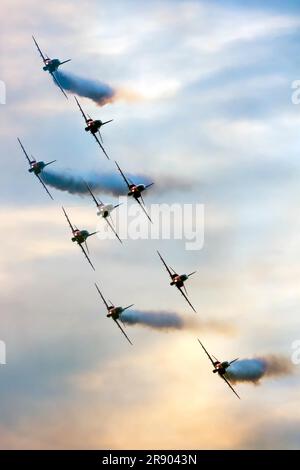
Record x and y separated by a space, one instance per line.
214 109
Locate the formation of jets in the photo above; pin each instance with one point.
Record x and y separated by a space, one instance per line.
80 236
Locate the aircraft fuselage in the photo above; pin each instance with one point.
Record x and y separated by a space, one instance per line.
93 126
104 210
51 65
36 167
178 280
220 367
80 236
136 190
115 312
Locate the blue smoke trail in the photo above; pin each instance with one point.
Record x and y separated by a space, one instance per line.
252 370
164 320
157 320
99 92
74 182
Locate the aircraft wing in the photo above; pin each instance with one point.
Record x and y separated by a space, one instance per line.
71 226
113 230
165 264
86 255
38 48
26 154
82 112
116 321
101 295
186 298
58 84
123 176
142 199
234 360
91 193
143 208
207 353
101 146
42 182
230 386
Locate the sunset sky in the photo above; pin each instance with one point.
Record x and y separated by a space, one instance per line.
204 102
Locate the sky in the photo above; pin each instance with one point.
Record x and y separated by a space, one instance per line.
204 109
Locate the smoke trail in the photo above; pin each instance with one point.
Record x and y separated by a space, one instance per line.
156 320
110 183
74 182
163 320
252 370
97 91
